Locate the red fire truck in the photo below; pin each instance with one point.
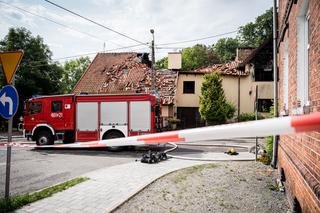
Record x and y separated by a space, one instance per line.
90 117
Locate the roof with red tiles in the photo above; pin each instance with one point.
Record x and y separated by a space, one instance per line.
125 73
230 68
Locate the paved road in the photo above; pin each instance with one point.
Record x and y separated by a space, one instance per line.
33 170
36 169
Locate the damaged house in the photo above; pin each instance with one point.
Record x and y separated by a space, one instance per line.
251 68
128 73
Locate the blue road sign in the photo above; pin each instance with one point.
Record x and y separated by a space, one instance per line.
9 101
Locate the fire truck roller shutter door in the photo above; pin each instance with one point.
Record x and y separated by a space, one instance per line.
87 121
113 116
140 116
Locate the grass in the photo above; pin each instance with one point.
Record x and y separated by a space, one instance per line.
273 187
265 158
16 202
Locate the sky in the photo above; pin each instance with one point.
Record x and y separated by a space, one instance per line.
172 21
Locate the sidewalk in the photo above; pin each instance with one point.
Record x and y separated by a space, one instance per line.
109 187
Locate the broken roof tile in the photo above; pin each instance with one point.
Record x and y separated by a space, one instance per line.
123 73
230 68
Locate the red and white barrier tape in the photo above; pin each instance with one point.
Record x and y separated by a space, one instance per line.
260 128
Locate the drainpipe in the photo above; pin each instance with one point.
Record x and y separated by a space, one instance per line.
238 95
275 88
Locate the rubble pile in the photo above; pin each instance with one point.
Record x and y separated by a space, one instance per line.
126 73
230 68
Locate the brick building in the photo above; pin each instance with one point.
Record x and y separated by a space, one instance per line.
299 93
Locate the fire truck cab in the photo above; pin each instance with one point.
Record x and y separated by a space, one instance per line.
84 118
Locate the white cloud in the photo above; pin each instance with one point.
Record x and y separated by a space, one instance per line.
172 21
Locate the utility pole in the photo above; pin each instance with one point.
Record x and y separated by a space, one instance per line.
153 74
275 88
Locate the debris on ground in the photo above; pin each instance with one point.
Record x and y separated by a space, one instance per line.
154 157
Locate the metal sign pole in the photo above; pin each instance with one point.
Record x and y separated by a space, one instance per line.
8 164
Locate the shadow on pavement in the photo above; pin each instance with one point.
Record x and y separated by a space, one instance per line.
104 152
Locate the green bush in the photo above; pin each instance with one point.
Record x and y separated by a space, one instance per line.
269 140
249 117
269 146
214 108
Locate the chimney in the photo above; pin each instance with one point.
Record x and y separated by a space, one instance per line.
174 61
243 53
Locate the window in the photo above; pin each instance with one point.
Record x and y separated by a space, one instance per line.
264 105
56 106
264 72
188 87
34 108
303 57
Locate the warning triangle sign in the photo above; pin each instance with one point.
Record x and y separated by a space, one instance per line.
10 62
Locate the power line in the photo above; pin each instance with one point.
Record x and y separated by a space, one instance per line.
166 48
55 22
199 39
119 48
45 62
94 22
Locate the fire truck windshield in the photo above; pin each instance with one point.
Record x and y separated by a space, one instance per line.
31 108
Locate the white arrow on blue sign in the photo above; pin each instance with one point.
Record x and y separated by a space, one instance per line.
9 101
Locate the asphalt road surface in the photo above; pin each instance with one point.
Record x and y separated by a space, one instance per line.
32 170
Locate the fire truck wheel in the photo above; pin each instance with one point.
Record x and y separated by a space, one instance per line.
44 138
114 134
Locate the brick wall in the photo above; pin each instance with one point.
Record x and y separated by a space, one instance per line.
299 155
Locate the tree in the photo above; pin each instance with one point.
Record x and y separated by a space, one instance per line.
36 74
213 106
198 56
162 63
73 71
225 49
254 34
193 57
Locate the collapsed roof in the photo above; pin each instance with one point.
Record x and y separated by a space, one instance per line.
230 68
125 73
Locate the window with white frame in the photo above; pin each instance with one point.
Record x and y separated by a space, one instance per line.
303 57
